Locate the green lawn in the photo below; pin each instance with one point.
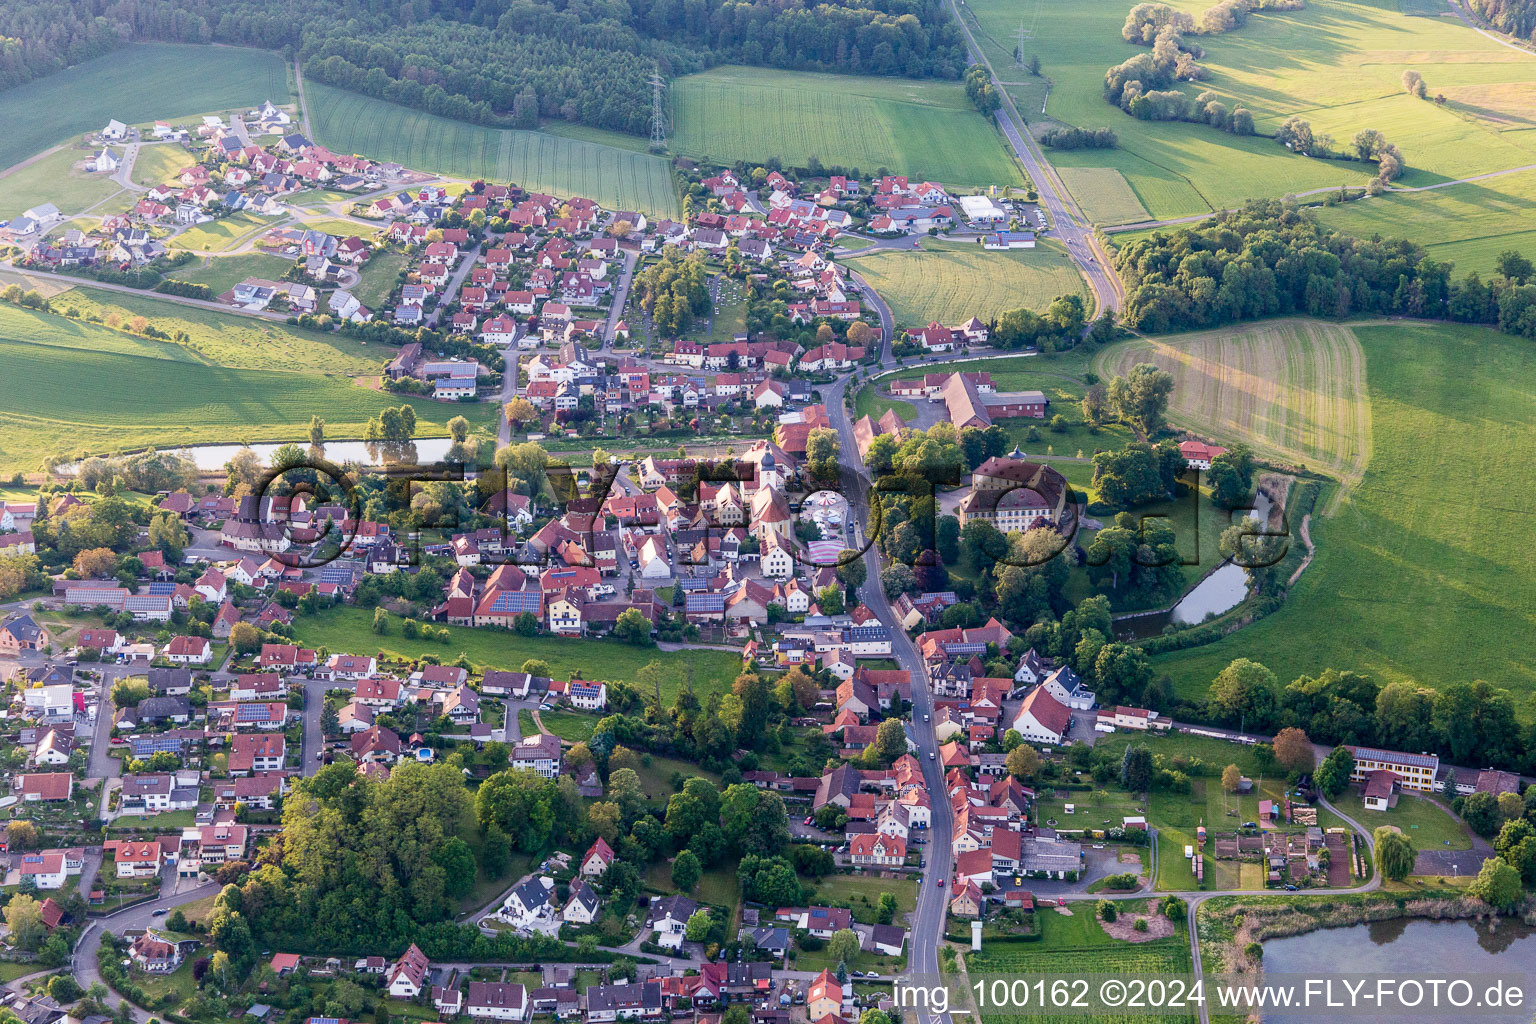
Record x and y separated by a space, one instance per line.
227 339
718 886
953 281
136 84
869 402
1406 583
1424 822
1467 224
159 163
730 315
349 629
656 777
616 178
571 726
924 129
221 273
342 228
139 822
222 234
862 892
319 197
55 179
144 393
379 276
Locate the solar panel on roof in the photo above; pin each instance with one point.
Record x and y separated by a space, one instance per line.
162 588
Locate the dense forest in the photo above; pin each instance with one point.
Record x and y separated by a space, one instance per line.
504 62
1272 258
1517 17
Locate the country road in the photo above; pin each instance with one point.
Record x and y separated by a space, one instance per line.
1071 226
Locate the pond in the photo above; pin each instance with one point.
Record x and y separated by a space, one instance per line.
211 457
1221 590
1447 949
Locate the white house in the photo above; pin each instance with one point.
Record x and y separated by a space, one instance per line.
582 905
105 162
494 1000
1042 718
408 974
669 920
1064 685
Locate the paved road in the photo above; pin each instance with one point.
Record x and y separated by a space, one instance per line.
927 922
1071 226
887 321
467 258
83 964
313 740
620 295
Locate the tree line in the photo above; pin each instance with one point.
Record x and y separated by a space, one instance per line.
1467 723
1272 258
1516 17
505 62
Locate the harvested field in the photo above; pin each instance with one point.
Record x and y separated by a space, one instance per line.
1294 390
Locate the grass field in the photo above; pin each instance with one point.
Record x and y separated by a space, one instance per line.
953 281
1467 224
73 387
378 277
921 129
222 339
1409 583
221 273
134 84
1423 821
55 179
616 178
159 163
1292 389
718 886
1336 63
869 402
350 629
1104 194
342 228
220 235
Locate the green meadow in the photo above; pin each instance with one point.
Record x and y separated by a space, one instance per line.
617 178
953 281
351 629
73 387
135 84
55 179
1423 573
1336 63
923 129
1467 224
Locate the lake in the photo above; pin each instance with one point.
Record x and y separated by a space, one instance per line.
1406 947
